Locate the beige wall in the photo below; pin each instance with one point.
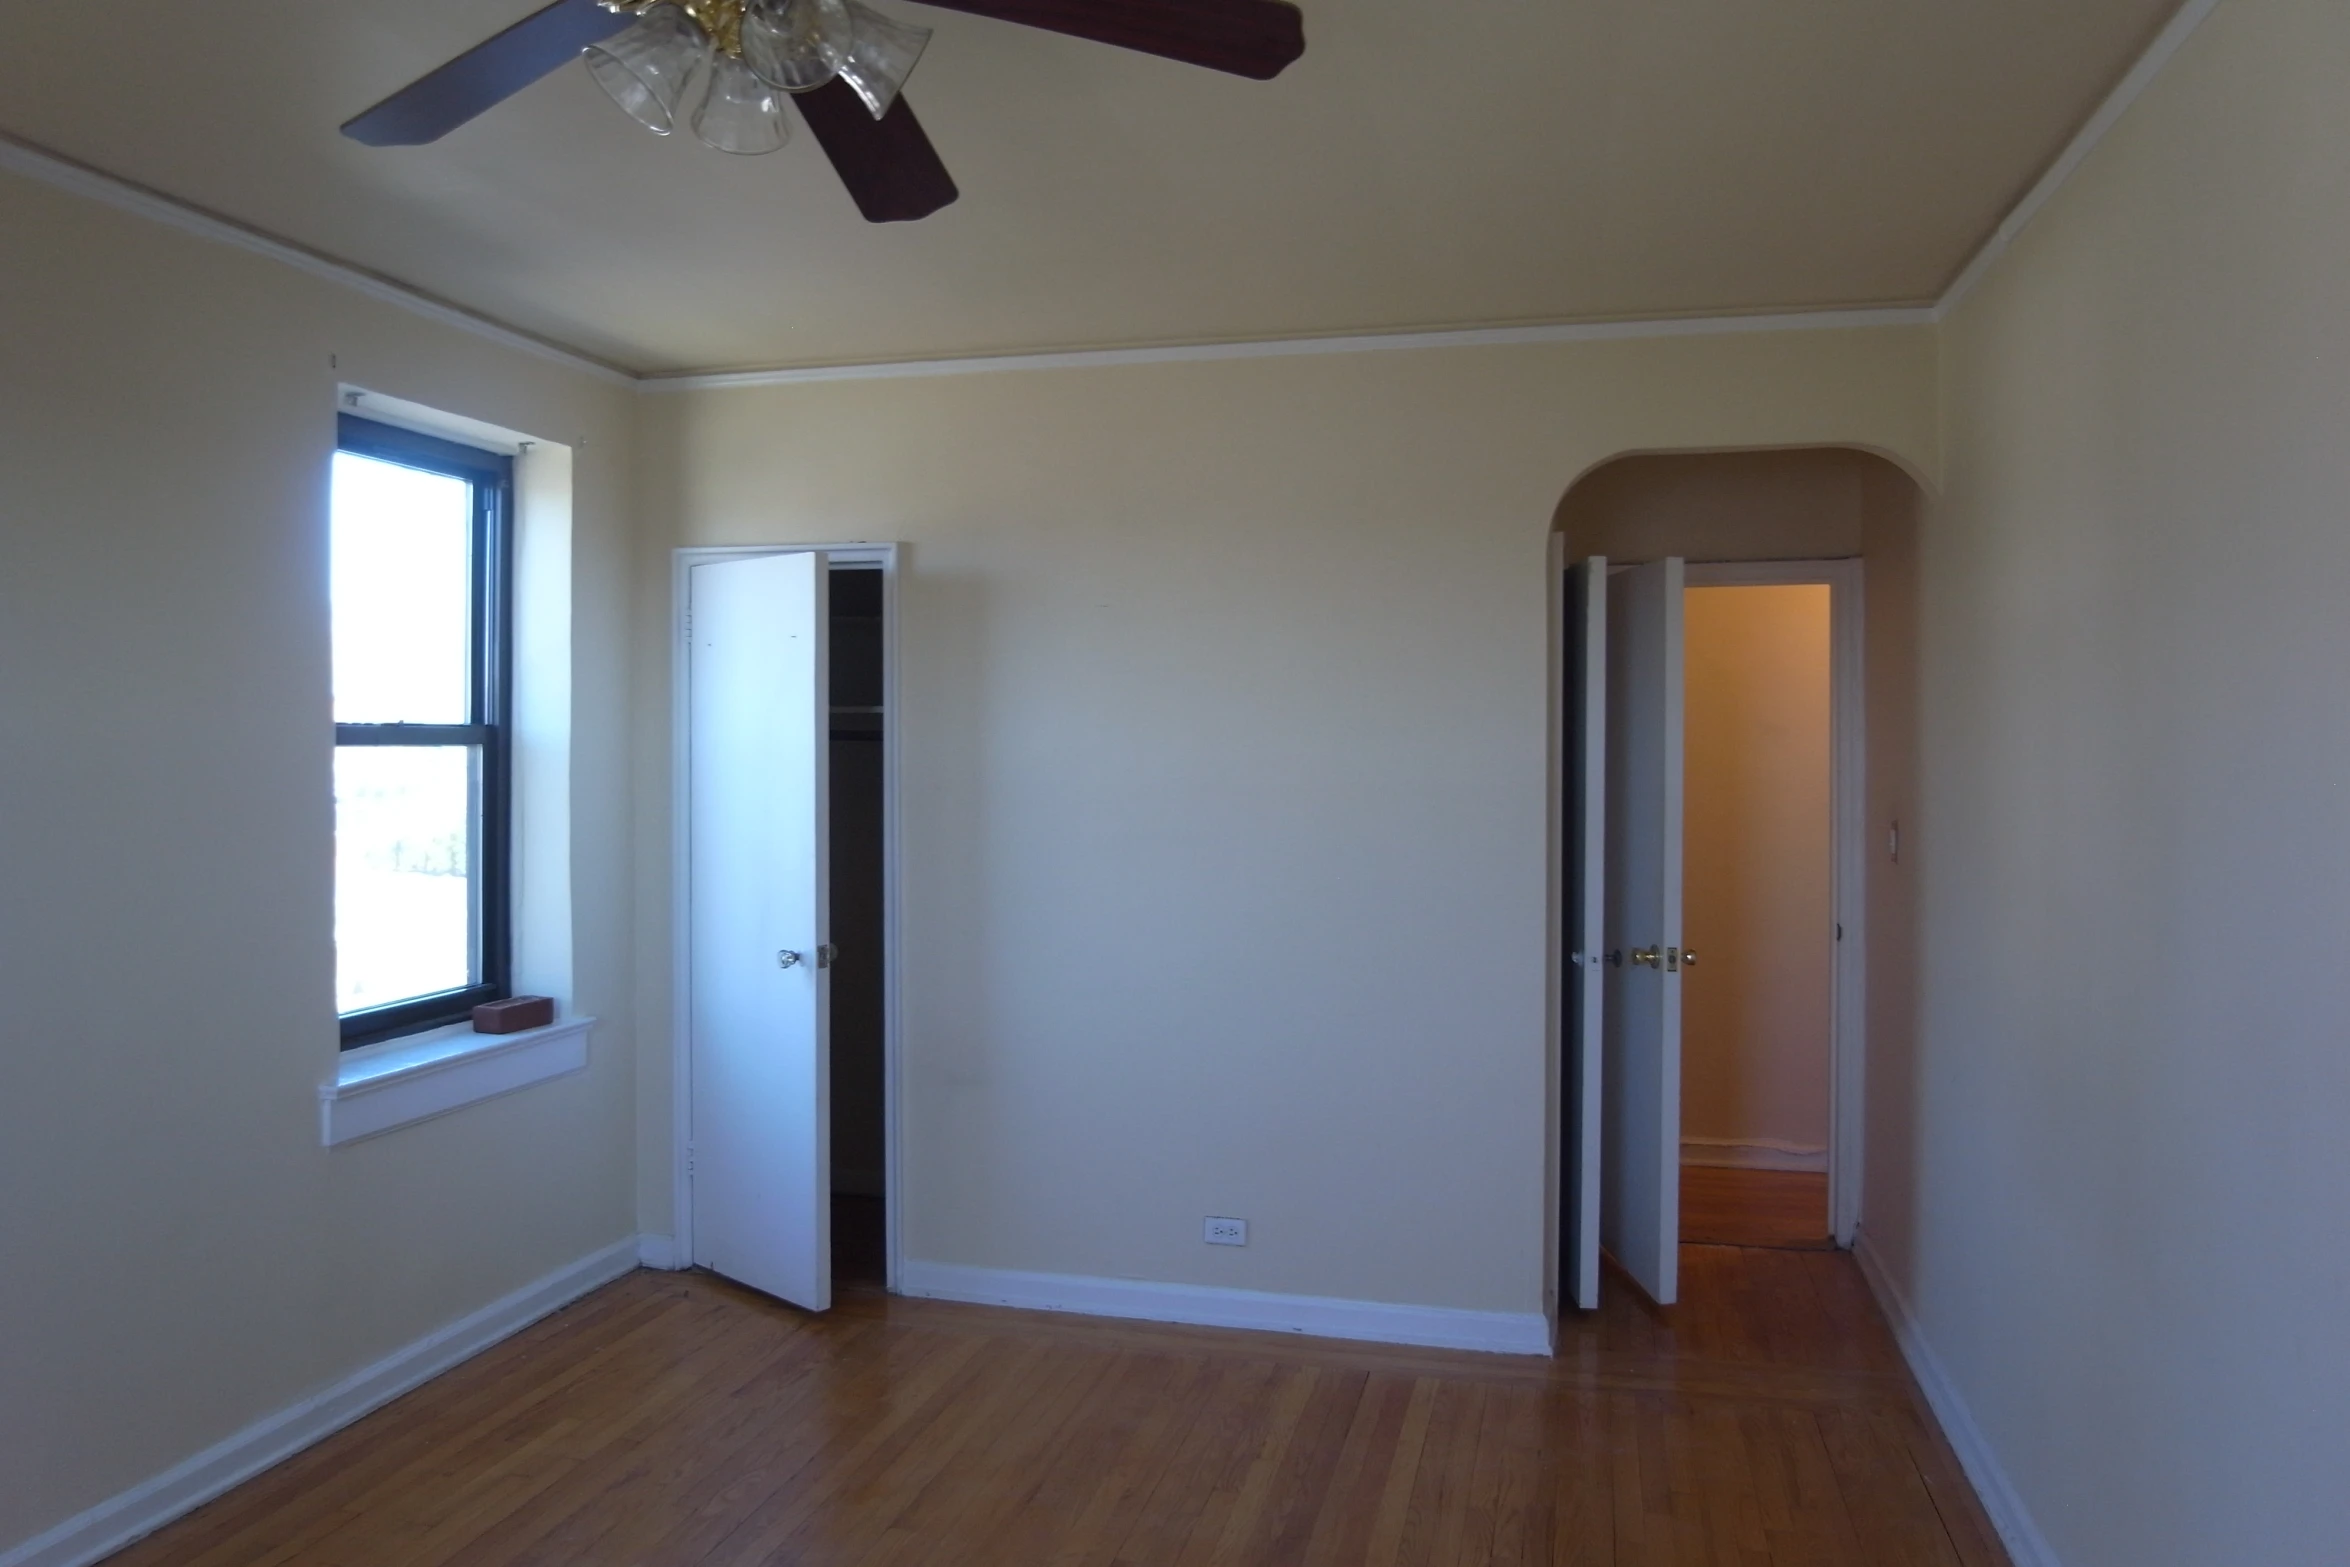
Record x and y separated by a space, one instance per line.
1757 899
182 1256
1226 734
2129 1233
1889 653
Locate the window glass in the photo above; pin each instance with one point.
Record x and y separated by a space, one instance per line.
406 921
402 586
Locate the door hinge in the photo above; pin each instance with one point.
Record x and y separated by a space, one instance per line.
825 954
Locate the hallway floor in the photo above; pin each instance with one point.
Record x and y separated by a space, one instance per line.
674 1420
1783 1208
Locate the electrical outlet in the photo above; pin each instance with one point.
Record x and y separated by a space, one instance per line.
1225 1232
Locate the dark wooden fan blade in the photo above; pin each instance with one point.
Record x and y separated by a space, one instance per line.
486 75
888 164
1246 37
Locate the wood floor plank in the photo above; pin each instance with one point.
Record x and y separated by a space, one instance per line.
1176 1392
1781 1208
1579 1449
675 1420
1347 1515
1403 1476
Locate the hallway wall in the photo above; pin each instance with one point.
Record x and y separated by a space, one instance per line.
1758 905
2129 1233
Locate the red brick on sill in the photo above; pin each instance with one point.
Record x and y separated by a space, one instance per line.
513 1015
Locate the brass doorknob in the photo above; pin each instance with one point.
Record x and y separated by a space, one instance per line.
1689 958
1646 957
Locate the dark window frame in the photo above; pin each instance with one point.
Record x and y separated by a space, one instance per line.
491 703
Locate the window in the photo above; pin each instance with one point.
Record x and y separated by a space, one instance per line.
421 543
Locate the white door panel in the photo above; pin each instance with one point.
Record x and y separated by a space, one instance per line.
1586 850
757 759
1640 1221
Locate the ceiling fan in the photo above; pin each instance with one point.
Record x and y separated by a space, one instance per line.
724 68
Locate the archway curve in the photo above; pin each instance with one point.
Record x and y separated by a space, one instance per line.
1916 472
1746 503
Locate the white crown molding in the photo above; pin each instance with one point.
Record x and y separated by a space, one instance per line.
1293 347
2117 103
2026 1545
1438 1327
146 1507
63 173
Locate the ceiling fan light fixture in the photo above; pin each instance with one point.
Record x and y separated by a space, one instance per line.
797 45
882 57
739 113
648 68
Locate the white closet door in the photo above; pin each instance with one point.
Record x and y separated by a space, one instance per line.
760 717
1586 849
1640 1219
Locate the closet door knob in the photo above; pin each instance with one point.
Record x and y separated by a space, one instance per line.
787 959
1646 957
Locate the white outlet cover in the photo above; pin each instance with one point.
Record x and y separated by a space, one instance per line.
1225 1232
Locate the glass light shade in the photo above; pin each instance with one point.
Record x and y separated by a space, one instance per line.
739 113
797 45
882 57
648 68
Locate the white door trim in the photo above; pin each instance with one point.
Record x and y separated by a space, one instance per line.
1554 980
681 564
1848 853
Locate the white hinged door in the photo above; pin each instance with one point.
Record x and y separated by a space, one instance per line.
1585 689
1640 1209
758 754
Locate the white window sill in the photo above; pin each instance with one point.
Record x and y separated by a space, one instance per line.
403 1081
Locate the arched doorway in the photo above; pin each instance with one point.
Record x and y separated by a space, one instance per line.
1795 888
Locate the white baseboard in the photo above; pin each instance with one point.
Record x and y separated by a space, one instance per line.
1439 1327
657 1251
1753 1153
149 1505
2023 1539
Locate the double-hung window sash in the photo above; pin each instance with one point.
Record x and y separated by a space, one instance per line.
422 554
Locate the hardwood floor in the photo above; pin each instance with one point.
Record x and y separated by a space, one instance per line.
673 1420
1784 1208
